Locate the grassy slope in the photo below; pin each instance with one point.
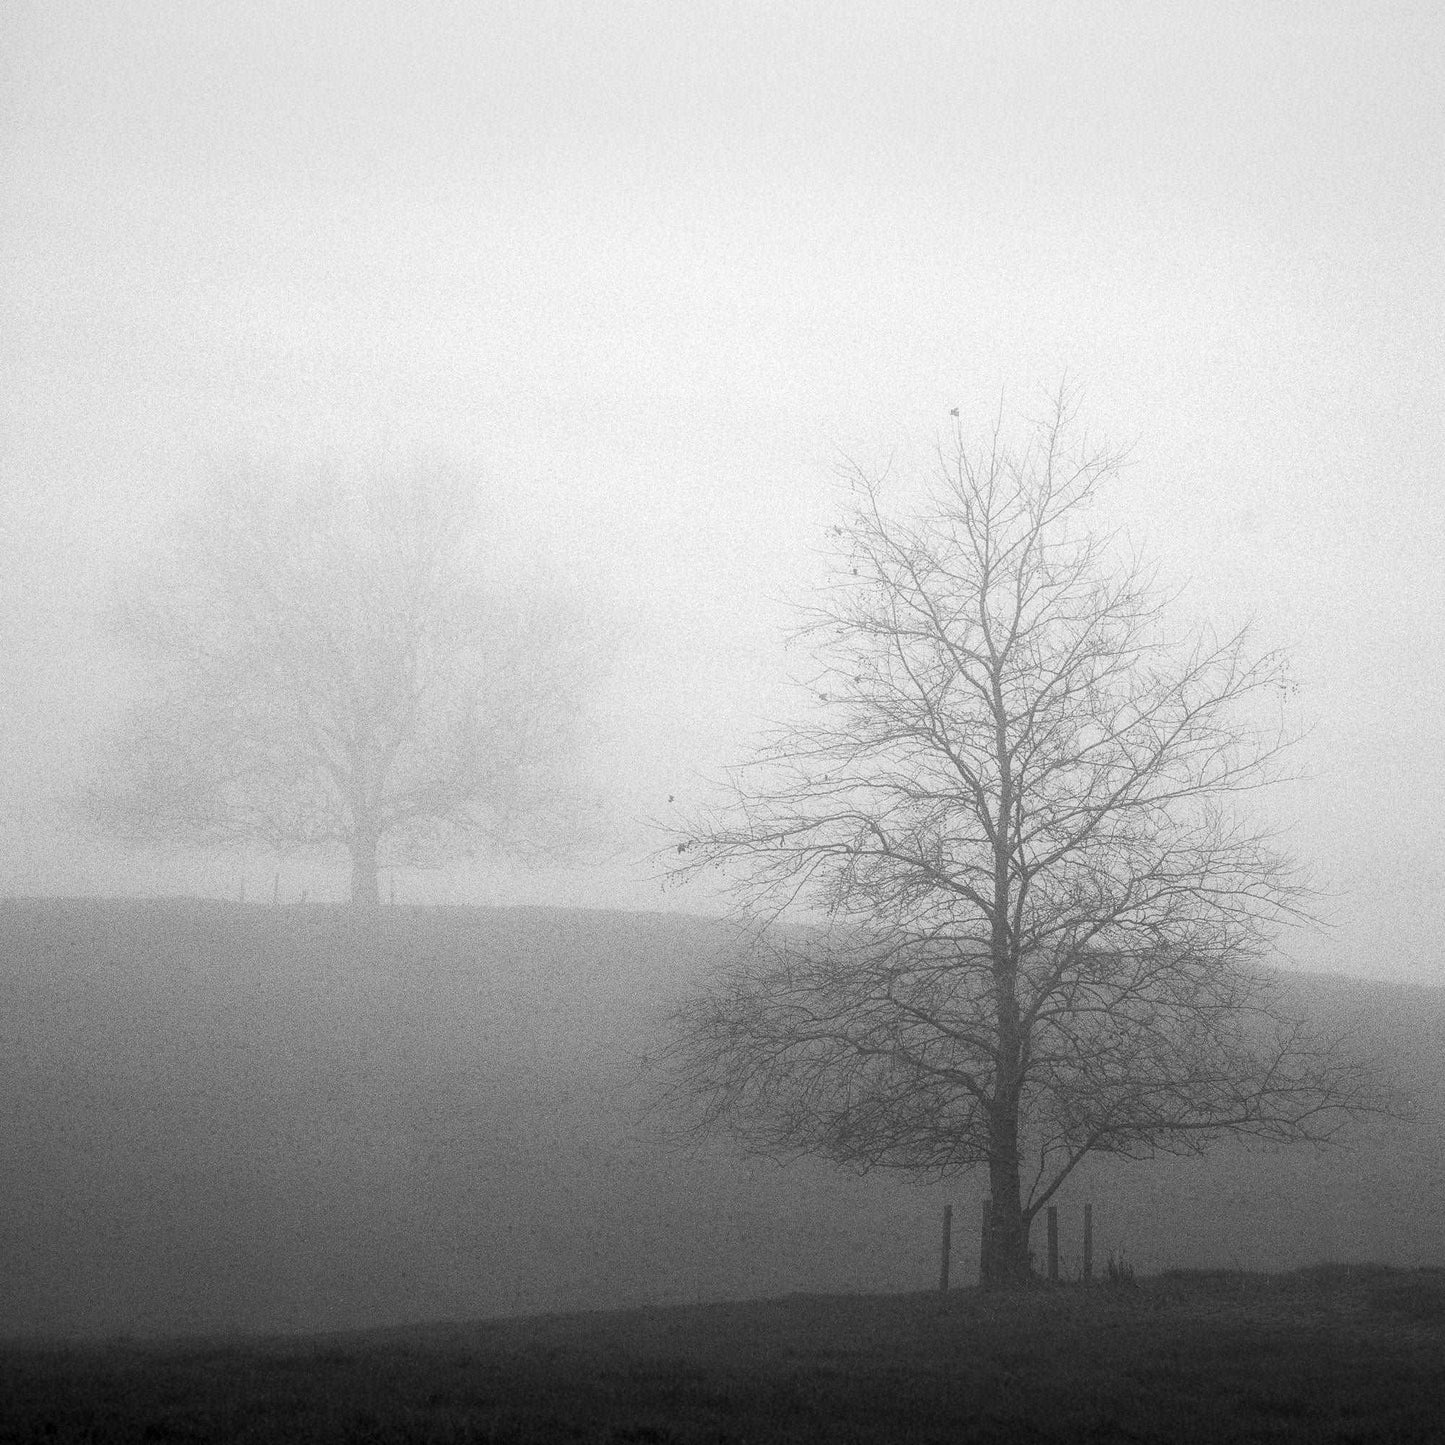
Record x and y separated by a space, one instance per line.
220 1117
1307 1358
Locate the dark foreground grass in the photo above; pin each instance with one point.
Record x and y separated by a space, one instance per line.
1318 1356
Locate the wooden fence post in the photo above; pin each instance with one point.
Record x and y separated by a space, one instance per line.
1088 1243
1053 1245
947 1242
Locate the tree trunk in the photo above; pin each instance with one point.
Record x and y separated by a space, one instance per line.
365 891
1009 1264
1006 1263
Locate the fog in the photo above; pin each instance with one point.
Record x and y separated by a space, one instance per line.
222 1118
651 270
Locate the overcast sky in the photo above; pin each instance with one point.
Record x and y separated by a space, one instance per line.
652 269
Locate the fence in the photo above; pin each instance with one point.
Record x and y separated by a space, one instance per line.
985 1230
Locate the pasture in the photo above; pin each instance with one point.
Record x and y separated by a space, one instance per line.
223 1119
1327 1355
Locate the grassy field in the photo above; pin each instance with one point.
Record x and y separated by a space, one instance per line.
237 1119
1341 1354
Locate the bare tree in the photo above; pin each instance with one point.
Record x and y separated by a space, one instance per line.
1033 910
329 672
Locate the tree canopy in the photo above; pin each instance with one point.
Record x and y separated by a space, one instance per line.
331 668
1010 903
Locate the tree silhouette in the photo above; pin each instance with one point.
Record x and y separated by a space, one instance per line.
329 670
1007 907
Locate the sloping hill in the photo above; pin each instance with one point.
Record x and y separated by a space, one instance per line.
229 1117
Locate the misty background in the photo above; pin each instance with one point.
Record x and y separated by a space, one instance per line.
651 270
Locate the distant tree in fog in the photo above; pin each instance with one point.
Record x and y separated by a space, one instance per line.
331 668
1008 906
